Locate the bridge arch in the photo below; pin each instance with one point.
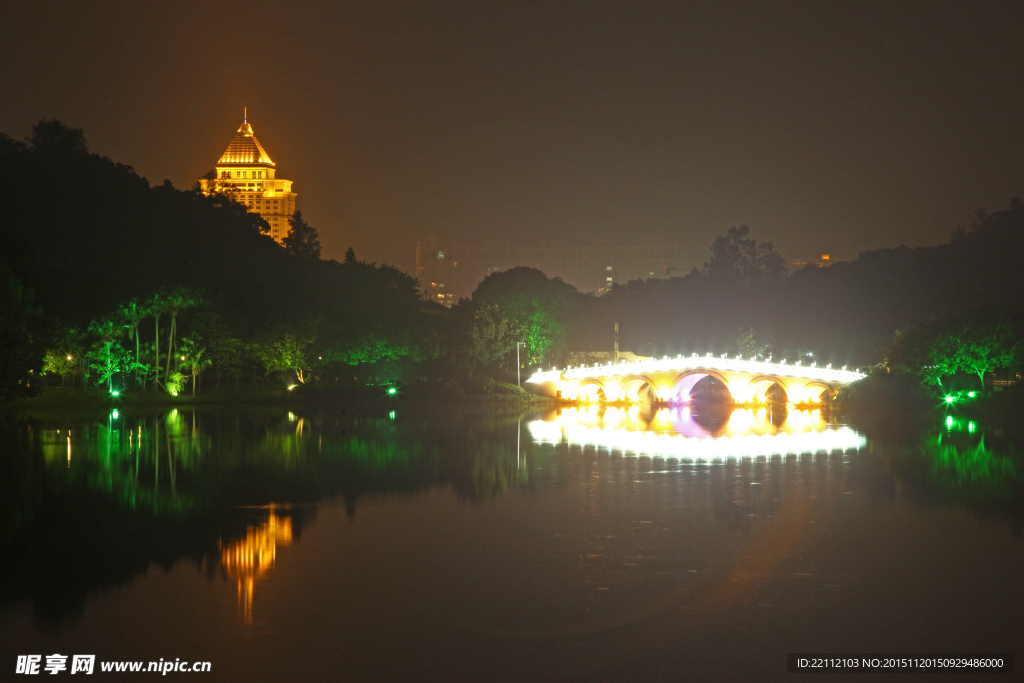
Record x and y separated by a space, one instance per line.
814 391
685 382
591 390
637 388
759 387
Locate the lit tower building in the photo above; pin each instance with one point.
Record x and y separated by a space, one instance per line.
246 171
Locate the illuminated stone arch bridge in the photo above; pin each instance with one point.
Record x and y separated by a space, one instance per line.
673 380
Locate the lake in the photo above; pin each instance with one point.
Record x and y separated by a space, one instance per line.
589 544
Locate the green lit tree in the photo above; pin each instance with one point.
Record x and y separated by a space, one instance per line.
284 350
974 342
57 362
113 359
176 301
65 355
131 315
537 306
106 331
490 337
194 358
977 342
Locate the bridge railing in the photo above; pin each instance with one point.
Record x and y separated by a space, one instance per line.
694 362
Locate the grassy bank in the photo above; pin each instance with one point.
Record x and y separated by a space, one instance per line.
881 398
478 391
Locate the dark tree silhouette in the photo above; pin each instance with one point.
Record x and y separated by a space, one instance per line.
303 241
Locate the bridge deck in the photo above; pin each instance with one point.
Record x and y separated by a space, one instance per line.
695 362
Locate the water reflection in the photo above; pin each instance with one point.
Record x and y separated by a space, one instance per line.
960 461
249 559
682 434
92 501
125 489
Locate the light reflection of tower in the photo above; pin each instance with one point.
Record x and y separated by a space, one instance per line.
250 558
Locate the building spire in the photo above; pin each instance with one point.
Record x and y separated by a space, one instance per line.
245 114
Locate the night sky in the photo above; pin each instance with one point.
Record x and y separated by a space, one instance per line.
827 127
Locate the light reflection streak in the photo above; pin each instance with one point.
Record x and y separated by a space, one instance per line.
249 559
673 433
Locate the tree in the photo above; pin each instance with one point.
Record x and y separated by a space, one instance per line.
156 307
490 337
350 256
178 300
106 330
60 363
65 354
746 342
283 350
114 359
132 314
194 358
975 342
536 305
211 184
302 241
737 258
22 337
51 138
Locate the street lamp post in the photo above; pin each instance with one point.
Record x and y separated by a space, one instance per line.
518 381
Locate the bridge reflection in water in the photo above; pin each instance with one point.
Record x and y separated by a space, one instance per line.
683 434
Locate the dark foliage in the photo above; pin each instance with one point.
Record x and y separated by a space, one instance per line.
88 235
845 314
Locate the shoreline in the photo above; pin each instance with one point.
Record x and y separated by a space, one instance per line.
363 396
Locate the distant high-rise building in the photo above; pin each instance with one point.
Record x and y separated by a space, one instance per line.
246 171
450 269
824 262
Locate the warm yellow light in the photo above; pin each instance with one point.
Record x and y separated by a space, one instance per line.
69 357
291 386
250 559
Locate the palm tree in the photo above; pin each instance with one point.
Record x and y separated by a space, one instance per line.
156 307
131 314
193 358
177 300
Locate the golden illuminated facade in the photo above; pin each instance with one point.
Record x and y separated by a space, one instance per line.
247 173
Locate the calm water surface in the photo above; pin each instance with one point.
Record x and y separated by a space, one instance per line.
586 545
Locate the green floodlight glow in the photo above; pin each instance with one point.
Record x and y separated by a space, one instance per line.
115 415
949 421
115 392
971 394
950 399
392 415
392 391
970 427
